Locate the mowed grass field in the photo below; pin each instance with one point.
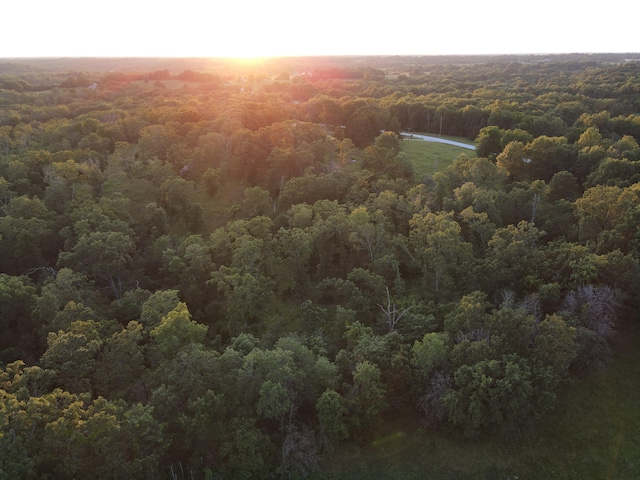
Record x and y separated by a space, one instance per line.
430 157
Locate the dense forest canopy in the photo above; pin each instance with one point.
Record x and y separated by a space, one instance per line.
232 270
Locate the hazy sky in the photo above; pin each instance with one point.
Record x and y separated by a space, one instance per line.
252 28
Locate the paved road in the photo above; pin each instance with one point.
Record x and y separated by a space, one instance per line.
428 138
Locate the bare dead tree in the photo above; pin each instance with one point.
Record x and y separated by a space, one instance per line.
50 271
299 451
431 403
534 206
531 305
392 313
508 298
595 308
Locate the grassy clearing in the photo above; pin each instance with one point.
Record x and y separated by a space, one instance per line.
430 157
595 430
593 434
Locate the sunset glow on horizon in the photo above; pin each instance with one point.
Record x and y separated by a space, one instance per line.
254 30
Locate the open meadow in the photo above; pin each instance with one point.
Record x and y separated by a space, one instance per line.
430 157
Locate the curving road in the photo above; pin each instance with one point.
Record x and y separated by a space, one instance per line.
428 138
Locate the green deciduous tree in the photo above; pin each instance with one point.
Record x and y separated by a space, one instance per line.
489 142
120 367
65 179
514 162
607 217
369 232
512 256
332 413
100 439
103 256
492 393
72 355
176 197
157 306
248 453
17 328
177 330
212 179
289 263
430 354
367 395
438 249
26 235
365 124
244 293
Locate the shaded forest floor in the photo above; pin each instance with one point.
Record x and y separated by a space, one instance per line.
593 433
